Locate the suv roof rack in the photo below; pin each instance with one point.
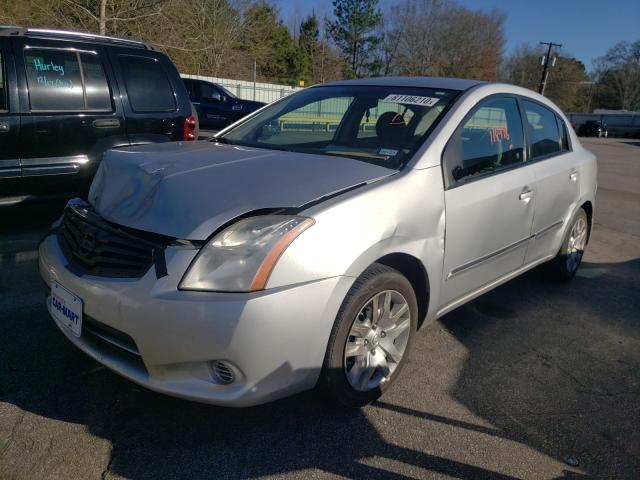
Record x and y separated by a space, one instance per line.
12 30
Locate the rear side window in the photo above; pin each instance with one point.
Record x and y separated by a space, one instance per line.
564 139
147 85
543 130
491 139
55 80
3 88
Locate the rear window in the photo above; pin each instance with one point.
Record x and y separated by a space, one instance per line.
543 130
147 85
55 80
3 90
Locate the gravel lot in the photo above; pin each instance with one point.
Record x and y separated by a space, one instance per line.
520 383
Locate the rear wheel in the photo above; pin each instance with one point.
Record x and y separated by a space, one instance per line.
371 337
566 263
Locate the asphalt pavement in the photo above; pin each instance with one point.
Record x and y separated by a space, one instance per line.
532 380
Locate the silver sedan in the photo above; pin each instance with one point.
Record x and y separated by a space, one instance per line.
303 246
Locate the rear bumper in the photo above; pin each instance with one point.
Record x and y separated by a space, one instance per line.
275 340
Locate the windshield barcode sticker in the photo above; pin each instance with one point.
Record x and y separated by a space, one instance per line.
412 100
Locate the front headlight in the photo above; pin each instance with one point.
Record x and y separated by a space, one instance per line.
242 256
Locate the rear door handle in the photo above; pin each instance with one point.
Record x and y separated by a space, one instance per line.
4 127
106 123
526 195
573 176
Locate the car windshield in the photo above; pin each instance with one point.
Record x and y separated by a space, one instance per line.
377 124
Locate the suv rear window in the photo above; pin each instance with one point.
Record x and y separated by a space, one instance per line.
55 81
3 90
147 85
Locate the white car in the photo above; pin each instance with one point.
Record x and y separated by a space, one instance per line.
304 245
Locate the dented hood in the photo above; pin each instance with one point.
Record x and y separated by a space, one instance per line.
188 190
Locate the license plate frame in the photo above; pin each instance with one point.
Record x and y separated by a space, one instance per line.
66 308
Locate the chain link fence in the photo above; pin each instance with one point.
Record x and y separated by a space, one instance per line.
247 90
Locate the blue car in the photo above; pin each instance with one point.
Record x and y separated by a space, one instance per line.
217 107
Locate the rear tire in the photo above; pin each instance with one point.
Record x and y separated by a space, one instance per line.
371 338
566 263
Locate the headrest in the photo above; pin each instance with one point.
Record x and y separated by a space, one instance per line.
391 128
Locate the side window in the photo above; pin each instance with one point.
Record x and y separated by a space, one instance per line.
543 130
209 91
189 86
564 137
147 85
3 88
489 140
96 87
54 80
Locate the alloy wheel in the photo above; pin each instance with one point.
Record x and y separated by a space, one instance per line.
377 340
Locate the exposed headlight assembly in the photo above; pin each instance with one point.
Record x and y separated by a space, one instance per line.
242 256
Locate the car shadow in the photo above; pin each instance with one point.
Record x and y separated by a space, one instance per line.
550 366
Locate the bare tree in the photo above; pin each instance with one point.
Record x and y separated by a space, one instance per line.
440 38
618 73
103 16
568 82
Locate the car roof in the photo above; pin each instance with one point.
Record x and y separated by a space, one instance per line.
424 82
44 33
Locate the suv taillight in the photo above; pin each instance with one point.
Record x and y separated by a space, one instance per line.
190 130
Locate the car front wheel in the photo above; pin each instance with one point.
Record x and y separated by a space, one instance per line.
371 337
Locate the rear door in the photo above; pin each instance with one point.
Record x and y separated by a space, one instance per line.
9 124
557 175
489 198
70 113
153 109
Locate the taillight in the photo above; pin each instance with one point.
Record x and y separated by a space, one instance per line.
190 130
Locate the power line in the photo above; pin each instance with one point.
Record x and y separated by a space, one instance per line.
545 70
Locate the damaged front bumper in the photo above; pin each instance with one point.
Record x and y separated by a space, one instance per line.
148 331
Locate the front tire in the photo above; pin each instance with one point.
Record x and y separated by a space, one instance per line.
371 338
565 265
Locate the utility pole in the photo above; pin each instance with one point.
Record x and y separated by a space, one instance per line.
545 63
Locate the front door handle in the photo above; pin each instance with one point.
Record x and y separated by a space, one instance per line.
573 176
526 195
106 123
4 127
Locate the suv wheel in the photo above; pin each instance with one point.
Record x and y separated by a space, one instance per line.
371 337
566 263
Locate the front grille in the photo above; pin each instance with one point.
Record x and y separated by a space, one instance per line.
94 246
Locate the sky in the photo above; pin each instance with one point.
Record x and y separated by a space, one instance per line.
586 29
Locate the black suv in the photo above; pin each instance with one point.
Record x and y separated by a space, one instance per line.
67 97
217 107
593 128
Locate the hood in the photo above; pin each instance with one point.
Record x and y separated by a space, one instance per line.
188 190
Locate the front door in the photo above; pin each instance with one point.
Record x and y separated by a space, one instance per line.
10 172
70 114
489 199
213 113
